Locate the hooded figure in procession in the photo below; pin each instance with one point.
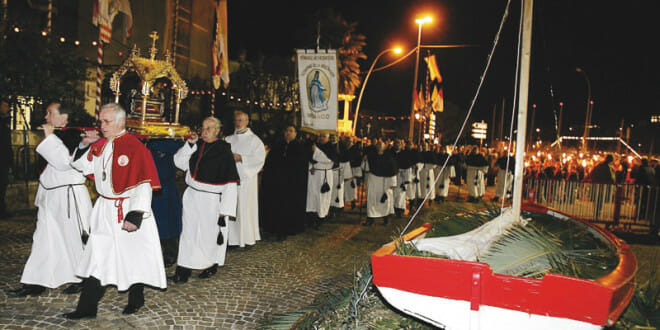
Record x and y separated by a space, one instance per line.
64 207
166 202
337 187
380 168
208 202
249 154
442 185
477 166
505 167
354 156
427 173
404 177
320 177
123 248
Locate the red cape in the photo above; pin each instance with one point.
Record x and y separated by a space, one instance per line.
132 163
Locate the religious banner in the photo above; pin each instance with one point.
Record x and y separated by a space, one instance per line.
317 76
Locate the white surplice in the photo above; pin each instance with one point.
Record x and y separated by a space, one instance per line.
500 189
316 201
475 180
403 179
376 186
442 186
350 182
202 205
414 190
427 180
63 212
113 255
245 230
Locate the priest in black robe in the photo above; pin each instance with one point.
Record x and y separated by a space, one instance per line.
284 185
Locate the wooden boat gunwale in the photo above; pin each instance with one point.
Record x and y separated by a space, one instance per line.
600 301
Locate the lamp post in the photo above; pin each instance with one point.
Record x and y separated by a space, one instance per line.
396 50
587 119
420 22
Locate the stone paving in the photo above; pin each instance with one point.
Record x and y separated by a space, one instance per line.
255 283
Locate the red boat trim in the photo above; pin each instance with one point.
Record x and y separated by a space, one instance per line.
599 302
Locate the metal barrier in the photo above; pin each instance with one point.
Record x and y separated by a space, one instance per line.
26 165
612 204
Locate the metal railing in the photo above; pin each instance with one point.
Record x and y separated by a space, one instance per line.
26 164
611 204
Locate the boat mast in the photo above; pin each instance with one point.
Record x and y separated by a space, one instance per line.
523 89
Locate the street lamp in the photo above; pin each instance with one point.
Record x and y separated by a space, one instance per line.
587 119
395 50
420 22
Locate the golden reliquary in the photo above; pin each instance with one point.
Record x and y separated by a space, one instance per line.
146 118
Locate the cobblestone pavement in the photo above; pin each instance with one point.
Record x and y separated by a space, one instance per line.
267 278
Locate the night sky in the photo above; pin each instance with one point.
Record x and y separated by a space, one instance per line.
613 44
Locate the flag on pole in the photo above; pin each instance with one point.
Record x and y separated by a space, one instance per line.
433 68
219 50
104 13
437 99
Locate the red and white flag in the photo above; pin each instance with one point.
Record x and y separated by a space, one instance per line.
104 13
219 50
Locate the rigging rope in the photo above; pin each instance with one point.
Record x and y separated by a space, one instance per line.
467 117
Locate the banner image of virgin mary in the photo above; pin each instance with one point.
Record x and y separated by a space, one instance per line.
318 92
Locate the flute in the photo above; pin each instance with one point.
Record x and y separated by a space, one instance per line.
66 128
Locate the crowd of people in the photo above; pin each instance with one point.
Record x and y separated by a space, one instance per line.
237 190
575 165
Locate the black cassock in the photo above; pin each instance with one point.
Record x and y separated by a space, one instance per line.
283 190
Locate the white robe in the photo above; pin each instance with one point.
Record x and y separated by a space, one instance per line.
337 199
475 180
427 181
350 183
113 255
245 230
316 201
376 186
202 205
414 190
403 176
442 185
63 212
500 188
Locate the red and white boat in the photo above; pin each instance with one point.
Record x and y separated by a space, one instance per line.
456 294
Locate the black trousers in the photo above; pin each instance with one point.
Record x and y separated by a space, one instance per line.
92 293
170 247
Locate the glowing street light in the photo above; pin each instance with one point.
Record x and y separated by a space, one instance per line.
420 22
395 50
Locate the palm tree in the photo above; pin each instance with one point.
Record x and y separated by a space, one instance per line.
337 33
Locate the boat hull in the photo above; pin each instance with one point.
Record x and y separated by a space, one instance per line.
468 295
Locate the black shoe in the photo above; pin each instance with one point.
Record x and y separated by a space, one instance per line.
73 288
180 275
208 272
369 222
385 220
27 290
76 315
353 205
131 309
